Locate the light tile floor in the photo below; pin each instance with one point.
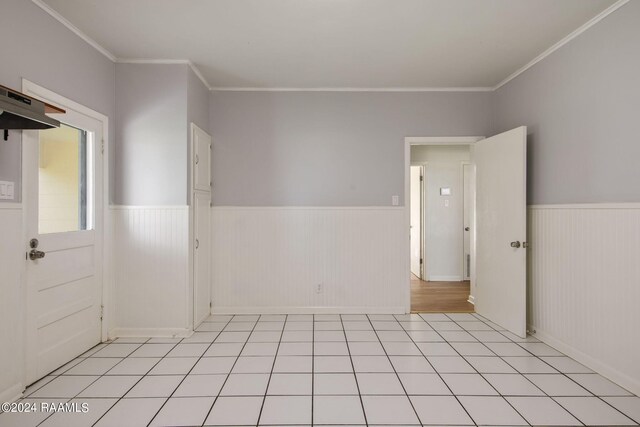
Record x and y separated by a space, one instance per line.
349 370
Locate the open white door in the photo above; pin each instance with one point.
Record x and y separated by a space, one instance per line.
416 220
501 218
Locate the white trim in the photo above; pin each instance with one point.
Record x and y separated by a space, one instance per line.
12 394
352 89
42 5
614 375
472 300
142 207
446 279
191 65
308 310
304 208
150 332
622 205
575 33
442 140
12 206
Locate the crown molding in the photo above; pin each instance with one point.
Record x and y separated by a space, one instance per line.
584 27
42 5
352 89
191 65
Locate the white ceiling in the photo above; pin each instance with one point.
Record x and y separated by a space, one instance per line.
334 43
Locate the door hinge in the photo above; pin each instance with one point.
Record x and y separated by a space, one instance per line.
420 260
101 312
210 304
421 178
102 147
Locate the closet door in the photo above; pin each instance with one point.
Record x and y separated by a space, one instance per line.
201 256
201 146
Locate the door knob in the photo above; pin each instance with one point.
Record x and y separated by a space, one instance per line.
466 229
35 254
515 244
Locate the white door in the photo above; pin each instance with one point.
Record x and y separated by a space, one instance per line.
467 206
201 256
63 219
201 226
501 229
416 220
201 146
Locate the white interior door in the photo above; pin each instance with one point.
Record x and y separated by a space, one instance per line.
202 256
201 146
63 219
416 220
201 217
501 229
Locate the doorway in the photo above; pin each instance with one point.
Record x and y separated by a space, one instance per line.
441 211
498 223
63 196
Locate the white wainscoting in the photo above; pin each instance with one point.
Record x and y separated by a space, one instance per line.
151 275
270 260
12 252
584 285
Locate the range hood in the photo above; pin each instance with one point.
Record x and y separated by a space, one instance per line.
19 111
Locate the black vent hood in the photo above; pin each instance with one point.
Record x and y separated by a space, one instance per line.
18 111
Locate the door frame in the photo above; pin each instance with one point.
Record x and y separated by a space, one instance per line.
103 237
424 140
423 265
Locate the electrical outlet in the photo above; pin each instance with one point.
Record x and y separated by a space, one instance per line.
319 288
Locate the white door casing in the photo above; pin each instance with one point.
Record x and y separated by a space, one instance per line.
201 223
416 221
501 229
64 290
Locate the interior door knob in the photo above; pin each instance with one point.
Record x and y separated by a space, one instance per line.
515 244
466 229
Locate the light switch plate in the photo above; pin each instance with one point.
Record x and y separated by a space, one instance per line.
6 190
395 200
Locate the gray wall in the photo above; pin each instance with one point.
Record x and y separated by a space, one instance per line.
582 106
37 47
327 149
151 134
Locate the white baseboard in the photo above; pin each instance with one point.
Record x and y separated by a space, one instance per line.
446 278
308 310
472 299
150 332
12 394
603 369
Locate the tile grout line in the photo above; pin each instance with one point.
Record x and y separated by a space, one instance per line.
366 421
204 421
375 331
275 357
185 376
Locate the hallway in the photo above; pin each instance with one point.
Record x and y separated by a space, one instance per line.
438 297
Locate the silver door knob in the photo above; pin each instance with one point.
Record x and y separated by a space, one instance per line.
35 254
197 243
515 244
466 229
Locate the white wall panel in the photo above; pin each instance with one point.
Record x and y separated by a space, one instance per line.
270 259
584 285
150 258
11 302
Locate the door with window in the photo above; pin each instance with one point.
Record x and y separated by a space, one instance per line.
63 223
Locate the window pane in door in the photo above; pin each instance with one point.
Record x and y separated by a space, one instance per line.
63 180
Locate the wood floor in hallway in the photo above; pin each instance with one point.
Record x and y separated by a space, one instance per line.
436 297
